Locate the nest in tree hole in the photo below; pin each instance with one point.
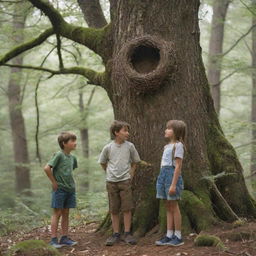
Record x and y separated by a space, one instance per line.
144 63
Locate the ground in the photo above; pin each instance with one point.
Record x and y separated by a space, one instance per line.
240 241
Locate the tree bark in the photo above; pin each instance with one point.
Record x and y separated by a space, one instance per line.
93 13
220 8
253 111
144 41
20 147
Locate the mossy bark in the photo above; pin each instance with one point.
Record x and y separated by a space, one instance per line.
31 248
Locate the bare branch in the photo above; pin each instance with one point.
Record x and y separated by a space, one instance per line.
61 65
229 75
248 47
238 40
90 98
38 154
26 46
93 76
248 8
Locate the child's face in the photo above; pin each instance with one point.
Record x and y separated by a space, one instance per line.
70 145
168 133
123 134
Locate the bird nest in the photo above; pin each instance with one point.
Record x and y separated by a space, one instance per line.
145 62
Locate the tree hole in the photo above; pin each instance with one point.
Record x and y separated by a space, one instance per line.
145 59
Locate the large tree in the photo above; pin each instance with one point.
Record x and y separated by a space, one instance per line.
154 72
17 124
220 8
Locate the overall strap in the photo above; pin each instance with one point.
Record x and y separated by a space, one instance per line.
173 154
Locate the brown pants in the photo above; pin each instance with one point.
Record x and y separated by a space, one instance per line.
120 196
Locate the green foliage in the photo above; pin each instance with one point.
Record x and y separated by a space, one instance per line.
193 205
208 240
31 248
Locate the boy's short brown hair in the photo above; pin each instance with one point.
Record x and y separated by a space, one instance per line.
116 126
64 137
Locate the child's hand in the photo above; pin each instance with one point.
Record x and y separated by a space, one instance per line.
172 190
54 186
144 163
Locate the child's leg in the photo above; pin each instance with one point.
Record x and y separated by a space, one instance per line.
127 221
55 221
169 215
64 221
176 216
115 222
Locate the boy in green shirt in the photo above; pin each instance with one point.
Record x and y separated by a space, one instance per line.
60 172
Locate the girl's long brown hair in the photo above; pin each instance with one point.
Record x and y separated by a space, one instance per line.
179 129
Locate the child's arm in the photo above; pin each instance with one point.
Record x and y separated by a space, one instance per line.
177 171
135 159
104 166
103 158
48 171
133 168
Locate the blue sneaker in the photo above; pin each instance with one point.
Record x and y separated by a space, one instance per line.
65 241
54 242
163 241
176 241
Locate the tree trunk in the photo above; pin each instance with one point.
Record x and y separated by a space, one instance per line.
215 49
21 158
156 74
253 111
84 130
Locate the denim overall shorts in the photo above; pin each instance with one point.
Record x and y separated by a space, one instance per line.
164 181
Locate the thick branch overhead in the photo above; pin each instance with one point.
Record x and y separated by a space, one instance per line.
94 77
26 46
88 37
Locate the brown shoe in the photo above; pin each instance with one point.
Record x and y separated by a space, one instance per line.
129 239
115 238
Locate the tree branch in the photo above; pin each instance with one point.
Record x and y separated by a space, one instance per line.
229 75
38 154
248 8
238 40
26 46
61 65
94 77
92 12
89 37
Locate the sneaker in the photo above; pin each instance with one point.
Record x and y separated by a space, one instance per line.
54 242
176 241
66 241
164 241
129 239
113 239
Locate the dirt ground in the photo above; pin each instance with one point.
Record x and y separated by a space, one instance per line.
91 243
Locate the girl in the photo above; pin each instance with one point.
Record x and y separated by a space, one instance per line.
169 182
